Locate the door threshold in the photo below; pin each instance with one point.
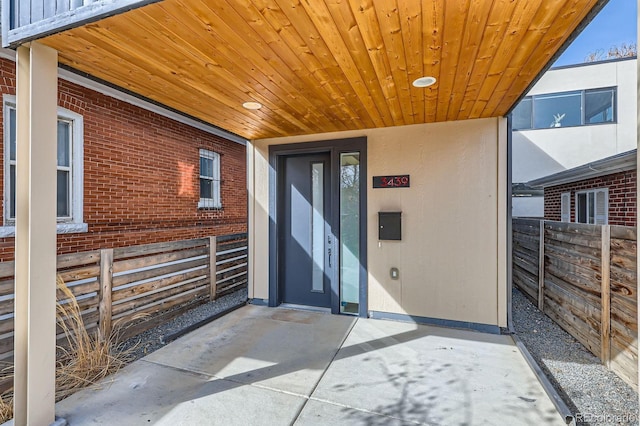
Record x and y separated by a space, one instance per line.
305 308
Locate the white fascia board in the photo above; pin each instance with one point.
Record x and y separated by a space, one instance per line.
614 164
133 100
86 12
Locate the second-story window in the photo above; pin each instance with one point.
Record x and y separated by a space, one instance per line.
566 109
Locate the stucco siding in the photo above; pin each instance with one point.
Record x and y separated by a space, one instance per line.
452 255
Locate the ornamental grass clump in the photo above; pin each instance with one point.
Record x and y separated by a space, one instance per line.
6 406
83 358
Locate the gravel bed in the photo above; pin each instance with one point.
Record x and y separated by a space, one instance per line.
153 339
594 394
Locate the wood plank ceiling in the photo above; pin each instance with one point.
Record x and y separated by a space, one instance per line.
325 65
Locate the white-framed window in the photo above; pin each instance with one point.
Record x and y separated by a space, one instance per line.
592 206
70 174
566 109
209 180
565 207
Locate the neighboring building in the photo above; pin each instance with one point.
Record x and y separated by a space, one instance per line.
572 116
601 192
128 175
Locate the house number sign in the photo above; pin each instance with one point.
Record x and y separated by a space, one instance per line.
395 181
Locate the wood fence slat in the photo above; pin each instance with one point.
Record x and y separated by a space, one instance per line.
157 259
6 326
533 240
70 260
6 306
163 295
526 264
232 268
624 233
232 288
78 274
624 311
591 253
154 248
222 247
126 279
164 304
85 303
573 257
7 269
527 222
7 287
622 261
229 254
567 319
581 287
625 277
624 363
575 239
623 332
628 247
525 283
581 229
565 296
80 289
151 286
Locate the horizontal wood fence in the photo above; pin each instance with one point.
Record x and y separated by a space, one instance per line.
132 289
587 283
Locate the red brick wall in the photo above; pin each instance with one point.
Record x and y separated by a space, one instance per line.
622 197
141 175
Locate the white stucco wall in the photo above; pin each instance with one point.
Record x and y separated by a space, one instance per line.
452 258
541 152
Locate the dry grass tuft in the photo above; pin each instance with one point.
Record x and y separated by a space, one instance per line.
85 359
6 406
82 360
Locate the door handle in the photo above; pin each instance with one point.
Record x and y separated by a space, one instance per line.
329 249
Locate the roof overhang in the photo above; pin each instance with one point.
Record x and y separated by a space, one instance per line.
606 166
321 66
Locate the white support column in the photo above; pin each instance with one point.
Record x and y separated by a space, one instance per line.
35 292
638 176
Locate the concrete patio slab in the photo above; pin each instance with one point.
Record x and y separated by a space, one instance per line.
317 413
434 375
281 349
278 366
147 393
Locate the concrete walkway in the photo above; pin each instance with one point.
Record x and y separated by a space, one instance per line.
276 366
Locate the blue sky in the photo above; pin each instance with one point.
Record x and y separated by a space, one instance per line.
615 24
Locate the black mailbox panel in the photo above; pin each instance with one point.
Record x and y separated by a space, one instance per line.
390 226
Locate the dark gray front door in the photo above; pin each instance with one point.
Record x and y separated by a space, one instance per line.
305 259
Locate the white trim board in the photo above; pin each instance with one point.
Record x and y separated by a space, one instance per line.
133 100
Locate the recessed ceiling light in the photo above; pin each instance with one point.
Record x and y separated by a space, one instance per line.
252 105
424 81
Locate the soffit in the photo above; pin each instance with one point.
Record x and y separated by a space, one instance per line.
325 65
